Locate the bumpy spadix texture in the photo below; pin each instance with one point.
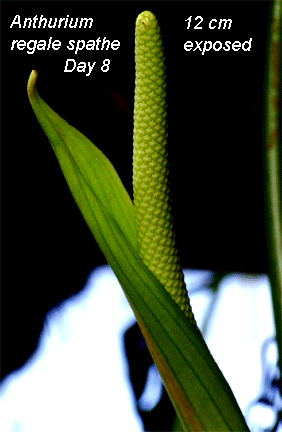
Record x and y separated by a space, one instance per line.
150 163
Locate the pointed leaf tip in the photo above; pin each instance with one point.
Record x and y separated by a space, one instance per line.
31 84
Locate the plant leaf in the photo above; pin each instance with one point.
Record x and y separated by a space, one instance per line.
200 394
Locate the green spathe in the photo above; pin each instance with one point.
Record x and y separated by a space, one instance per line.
201 396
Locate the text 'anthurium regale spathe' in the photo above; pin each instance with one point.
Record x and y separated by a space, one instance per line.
200 394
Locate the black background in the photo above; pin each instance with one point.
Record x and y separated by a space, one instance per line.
215 135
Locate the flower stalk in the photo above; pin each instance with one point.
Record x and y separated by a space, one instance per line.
272 166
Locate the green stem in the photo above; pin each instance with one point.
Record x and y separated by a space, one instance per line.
272 168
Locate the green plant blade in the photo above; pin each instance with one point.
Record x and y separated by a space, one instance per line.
77 156
201 396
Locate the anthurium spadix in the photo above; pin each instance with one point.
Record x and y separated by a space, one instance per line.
200 394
